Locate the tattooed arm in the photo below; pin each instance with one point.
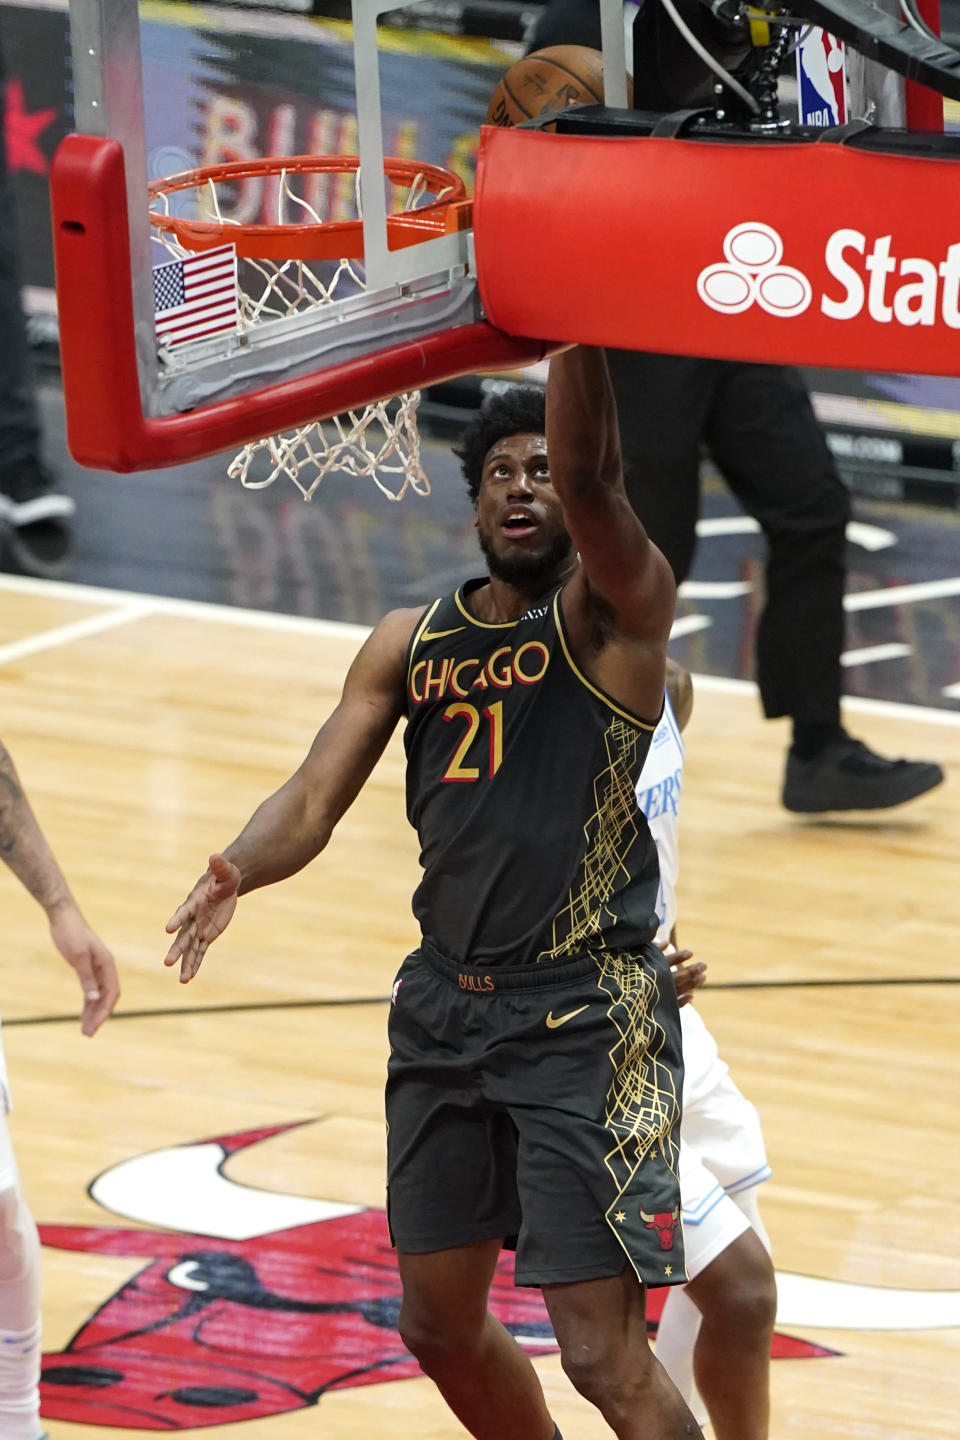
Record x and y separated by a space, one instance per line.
24 848
22 843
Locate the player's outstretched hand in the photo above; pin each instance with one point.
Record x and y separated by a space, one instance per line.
687 976
92 961
205 914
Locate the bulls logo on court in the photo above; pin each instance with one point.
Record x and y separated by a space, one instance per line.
250 1303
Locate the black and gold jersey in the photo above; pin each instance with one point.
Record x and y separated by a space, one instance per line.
521 784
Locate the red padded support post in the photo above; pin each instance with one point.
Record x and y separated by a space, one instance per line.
106 426
829 256
91 249
925 107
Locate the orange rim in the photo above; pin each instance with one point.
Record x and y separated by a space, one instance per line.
325 240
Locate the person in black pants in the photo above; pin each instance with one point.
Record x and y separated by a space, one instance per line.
34 516
758 425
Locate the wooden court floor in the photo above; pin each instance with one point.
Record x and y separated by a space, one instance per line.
146 731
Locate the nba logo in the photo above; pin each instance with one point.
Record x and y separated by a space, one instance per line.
821 80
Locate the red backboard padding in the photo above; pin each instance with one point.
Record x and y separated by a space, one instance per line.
813 254
106 426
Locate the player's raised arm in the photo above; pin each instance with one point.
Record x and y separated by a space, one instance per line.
620 564
294 824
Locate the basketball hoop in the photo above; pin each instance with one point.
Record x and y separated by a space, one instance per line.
300 266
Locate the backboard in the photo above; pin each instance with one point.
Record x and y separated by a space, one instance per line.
410 315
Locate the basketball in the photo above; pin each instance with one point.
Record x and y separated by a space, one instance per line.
548 79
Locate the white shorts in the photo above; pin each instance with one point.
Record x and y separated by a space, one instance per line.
721 1148
5 1099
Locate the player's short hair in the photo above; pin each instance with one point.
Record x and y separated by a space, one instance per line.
520 410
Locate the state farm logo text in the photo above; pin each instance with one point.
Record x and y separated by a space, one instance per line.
912 290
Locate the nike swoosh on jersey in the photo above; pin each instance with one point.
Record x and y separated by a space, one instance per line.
427 635
552 1024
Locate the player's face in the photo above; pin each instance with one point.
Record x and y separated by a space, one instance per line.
519 519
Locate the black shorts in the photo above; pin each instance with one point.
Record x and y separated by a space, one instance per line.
542 1106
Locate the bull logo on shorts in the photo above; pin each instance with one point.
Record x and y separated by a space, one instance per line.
665 1223
250 1303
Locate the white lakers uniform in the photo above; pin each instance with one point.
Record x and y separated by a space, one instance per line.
722 1153
5 1100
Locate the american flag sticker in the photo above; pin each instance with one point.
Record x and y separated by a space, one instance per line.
196 297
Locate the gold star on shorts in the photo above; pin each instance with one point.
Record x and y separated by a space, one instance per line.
620 1216
668 1269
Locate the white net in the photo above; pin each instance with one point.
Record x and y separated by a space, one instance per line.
380 443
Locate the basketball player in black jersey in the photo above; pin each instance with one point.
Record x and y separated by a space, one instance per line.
534 1081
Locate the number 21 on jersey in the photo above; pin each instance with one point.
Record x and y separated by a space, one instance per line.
470 716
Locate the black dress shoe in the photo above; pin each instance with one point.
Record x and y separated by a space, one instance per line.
846 775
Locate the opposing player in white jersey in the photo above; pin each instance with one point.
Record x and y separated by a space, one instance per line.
26 852
715 1332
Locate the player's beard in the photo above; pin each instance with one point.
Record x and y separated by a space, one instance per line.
529 571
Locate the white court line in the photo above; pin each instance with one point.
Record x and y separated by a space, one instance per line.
868 537
870 654
727 525
76 630
307 625
689 625
902 594
858 704
186 609
714 589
